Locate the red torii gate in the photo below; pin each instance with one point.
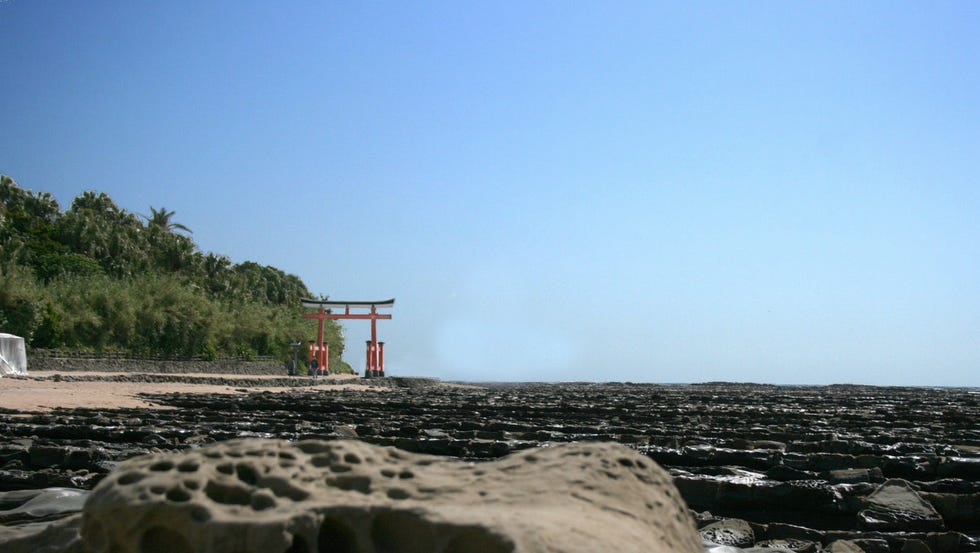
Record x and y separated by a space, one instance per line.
375 350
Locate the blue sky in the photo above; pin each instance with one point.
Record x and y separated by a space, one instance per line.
663 192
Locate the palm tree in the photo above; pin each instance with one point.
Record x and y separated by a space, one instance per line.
96 227
100 204
216 272
161 218
86 232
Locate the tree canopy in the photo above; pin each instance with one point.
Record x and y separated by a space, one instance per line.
97 277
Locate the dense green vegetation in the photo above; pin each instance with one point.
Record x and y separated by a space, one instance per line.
98 278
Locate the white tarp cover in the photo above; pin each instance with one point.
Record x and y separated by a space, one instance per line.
13 356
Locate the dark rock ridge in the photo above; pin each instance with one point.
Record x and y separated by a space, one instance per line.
883 469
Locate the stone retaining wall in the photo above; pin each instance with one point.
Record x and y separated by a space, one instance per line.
155 366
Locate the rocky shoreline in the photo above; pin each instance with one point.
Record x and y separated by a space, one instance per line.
798 468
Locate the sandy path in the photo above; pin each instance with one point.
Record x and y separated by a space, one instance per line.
41 392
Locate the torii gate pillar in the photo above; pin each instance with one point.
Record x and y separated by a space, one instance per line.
374 366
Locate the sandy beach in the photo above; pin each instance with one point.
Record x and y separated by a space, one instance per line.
44 391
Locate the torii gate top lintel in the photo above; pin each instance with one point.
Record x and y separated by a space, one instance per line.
346 304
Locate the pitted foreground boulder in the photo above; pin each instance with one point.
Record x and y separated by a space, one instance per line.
273 496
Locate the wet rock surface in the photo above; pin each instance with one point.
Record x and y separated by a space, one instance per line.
882 469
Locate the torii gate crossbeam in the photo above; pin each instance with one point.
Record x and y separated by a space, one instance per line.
375 350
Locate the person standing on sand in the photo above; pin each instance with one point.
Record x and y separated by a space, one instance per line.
314 368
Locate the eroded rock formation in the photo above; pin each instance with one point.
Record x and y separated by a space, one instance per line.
348 496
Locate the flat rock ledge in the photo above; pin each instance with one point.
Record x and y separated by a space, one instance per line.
313 496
